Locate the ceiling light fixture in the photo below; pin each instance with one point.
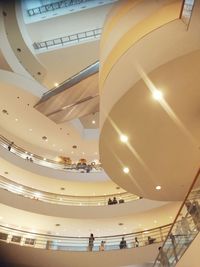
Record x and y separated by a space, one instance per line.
93 122
56 84
123 138
30 130
16 119
157 95
126 170
158 187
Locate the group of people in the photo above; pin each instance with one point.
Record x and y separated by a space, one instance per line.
122 244
114 201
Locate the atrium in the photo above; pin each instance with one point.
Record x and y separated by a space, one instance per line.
99 133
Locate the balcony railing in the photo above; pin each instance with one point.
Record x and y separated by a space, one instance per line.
187 10
54 6
56 242
69 39
62 199
184 229
36 159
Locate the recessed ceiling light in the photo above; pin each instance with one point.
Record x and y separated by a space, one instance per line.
126 170
44 159
93 122
56 84
16 119
83 153
158 187
30 130
155 221
44 138
123 138
26 152
157 95
72 152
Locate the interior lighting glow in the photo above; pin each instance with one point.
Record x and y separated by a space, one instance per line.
93 122
158 187
30 130
157 95
56 84
123 138
44 159
16 119
126 170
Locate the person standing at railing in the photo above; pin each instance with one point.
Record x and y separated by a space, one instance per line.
136 242
102 246
123 243
10 146
91 242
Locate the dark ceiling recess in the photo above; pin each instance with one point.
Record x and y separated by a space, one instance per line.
44 138
4 111
74 146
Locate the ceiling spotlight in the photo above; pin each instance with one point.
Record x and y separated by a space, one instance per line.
44 138
158 187
30 130
93 122
56 84
157 95
44 159
126 170
16 119
123 138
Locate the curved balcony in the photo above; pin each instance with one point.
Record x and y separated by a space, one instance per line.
61 199
53 242
36 159
145 59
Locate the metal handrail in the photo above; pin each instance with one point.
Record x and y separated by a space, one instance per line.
63 199
34 158
54 6
69 39
187 222
57 242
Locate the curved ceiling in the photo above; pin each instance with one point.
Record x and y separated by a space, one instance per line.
163 145
163 136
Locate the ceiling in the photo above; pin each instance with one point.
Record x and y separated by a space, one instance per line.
83 227
163 145
27 133
163 137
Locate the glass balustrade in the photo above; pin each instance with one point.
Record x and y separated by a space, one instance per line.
187 9
36 159
56 242
184 229
62 199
